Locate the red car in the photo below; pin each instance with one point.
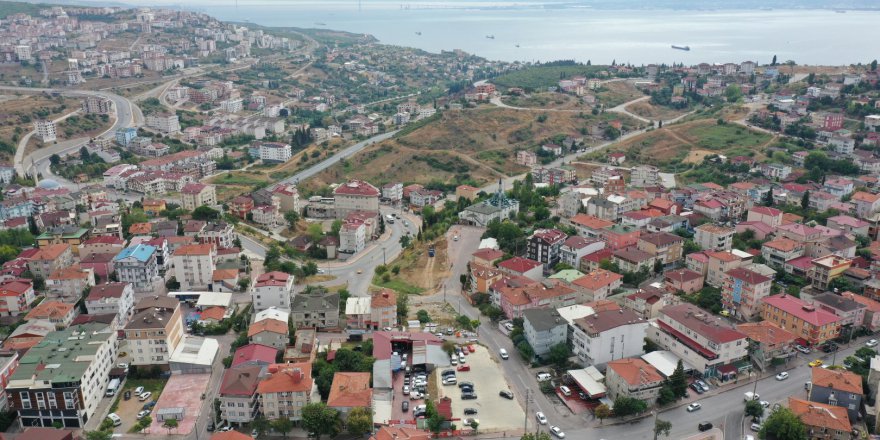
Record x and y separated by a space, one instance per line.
472 348
464 368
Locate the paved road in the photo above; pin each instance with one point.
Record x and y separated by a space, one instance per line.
345 153
127 114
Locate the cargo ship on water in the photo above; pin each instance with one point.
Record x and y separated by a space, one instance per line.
681 47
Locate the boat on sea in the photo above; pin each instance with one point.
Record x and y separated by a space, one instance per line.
681 47
491 37
517 45
418 33
320 24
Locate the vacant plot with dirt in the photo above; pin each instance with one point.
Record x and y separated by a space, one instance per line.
647 110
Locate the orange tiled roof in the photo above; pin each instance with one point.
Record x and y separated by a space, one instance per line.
840 380
194 249
820 415
268 325
287 377
597 279
50 310
635 371
350 390
766 333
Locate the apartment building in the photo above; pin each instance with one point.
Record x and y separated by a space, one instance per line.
742 292
194 266
777 252
154 331
271 332
355 195
16 296
813 325
665 247
824 270
239 401
711 237
116 298
63 378
45 131
544 246
633 378
544 328
272 290
137 265
317 308
607 335
286 390
194 195
47 259
699 338
166 123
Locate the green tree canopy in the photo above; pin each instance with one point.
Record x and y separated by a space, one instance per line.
360 420
559 355
282 425
626 406
205 213
783 424
321 420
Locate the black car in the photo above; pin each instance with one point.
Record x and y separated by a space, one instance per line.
470 411
404 406
210 426
447 373
506 394
704 426
697 388
468 395
465 384
829 347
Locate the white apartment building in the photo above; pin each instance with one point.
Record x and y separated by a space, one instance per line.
96 104
355 195
352 237
194 266
607 335
194 195
164 122
138 266
712 237
115 298
705 341
83 355
45 130
274 152
232 105
272 290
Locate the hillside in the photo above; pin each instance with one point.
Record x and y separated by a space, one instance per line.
472 146
10 8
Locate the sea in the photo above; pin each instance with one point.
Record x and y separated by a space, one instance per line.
532 32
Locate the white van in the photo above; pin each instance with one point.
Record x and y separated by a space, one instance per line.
503 354
116 420
565 390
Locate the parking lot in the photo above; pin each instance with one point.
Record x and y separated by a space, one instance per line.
495 413
187 395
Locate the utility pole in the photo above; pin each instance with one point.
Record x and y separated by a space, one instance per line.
383 255
526 417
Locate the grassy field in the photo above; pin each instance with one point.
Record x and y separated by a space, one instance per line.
647 110
675 148
539 77
475 145
615 93
547 100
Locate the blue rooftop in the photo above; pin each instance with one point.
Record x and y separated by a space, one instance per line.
141 252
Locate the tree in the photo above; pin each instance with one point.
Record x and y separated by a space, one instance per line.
144 423
261 425
405 241
170 424
661 427
292 217
754 408
874 65
284 425
783 425
205 213
773 63
538 436
315 232
602 412
423 316
360 420
678 381
627 406
474 425
559 355
805 200
768 198
99 435
318 418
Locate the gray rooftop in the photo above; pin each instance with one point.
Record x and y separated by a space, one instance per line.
543 319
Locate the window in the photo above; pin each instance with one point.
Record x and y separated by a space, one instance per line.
52 403
41 403
68 400
25 400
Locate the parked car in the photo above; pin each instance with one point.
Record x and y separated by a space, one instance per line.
144 396
470 411
872 343
138 391
468 395
756 426
508 326
802 349
694 407
470 421
405 390
566 391
506 394
126 395
542 419
503 354
697 388
472 348
703 385
464 368
704 426
782 376
143 414
449 380
557 431
816 363
465 384
404 406
542 376
210 426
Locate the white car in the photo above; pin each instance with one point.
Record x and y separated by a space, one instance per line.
765 404
872 343
124 366
542 419
782 376
555 430
143 414
144 396
138 391
756 427
405 390
542 376
694 407
508 326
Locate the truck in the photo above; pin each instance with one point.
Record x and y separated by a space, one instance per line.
112 388
751 396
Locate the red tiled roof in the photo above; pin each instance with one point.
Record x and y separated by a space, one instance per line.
519 264
488 254
703 323
840 380
748 276
254 353
287 377
766 210
274 278
241 381
109 290
635 371
268 325
350 390
801 310
766 332
357 188
820 415
597 279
